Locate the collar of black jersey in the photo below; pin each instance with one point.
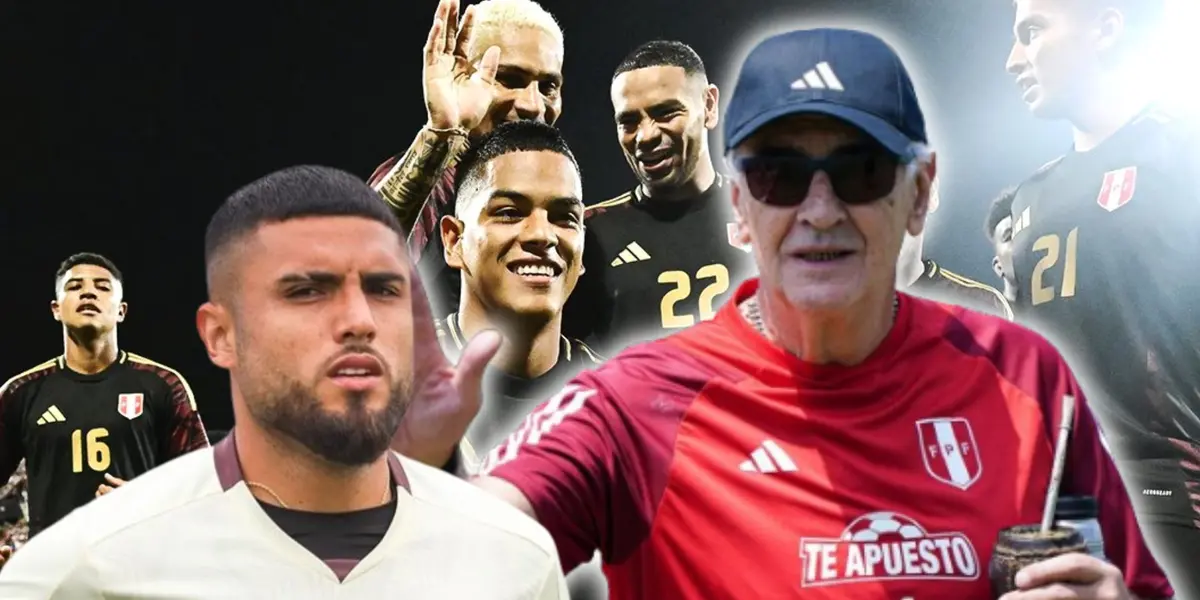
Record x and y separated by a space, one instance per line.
1154 113
931 269
229 467
122 358
926 280
567 351
718 183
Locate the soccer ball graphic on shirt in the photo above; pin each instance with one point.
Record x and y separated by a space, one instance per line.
872 527
887 546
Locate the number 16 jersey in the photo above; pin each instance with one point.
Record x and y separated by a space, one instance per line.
1105 247
72 428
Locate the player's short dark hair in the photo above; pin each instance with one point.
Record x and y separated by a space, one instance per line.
87 258
1000 209
293 193
662 53
515 136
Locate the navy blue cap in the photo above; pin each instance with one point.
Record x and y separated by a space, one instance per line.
851 75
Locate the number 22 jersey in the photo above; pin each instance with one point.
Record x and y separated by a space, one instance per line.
1106 245
72 428
654 267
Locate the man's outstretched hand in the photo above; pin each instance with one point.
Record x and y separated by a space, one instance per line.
458 94
445 397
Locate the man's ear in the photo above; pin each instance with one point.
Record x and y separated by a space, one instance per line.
582 247
712 104
742 235
56 310
452 232
215 325
1110 25
925 182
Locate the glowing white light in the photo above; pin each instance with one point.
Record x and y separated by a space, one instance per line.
1179 45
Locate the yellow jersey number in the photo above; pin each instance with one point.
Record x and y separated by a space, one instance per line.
1051 246
90 447
717 276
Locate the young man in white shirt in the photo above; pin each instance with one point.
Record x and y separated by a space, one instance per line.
312 300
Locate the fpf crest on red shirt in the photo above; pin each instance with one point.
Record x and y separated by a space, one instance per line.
949 451
1117 188
130 405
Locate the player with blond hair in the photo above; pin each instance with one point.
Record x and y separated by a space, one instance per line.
502 62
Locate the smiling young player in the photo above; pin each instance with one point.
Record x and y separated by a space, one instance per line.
502 62
517 239
660 257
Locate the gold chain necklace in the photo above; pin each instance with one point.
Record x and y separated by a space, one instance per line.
387 493
752 312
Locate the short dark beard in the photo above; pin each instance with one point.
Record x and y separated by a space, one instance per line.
353 439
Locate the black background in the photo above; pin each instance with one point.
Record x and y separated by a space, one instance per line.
125 124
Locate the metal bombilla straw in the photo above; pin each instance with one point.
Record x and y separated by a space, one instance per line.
1060 460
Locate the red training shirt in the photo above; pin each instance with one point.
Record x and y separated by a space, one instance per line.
713 464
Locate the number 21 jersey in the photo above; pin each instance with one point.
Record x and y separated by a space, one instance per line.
1105 248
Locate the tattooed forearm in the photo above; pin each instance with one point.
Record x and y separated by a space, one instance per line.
407 185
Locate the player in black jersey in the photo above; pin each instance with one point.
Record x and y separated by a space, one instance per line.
96 410
661 256
936 283
516 394
922 276
998 228
517 239
1104 251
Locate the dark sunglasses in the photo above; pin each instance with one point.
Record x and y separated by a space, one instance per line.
859 175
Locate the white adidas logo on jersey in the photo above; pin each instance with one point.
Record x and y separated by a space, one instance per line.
768 458
631 254
52 415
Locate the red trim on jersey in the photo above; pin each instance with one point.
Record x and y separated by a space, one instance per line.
341 566
382 170
12 416
183 430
